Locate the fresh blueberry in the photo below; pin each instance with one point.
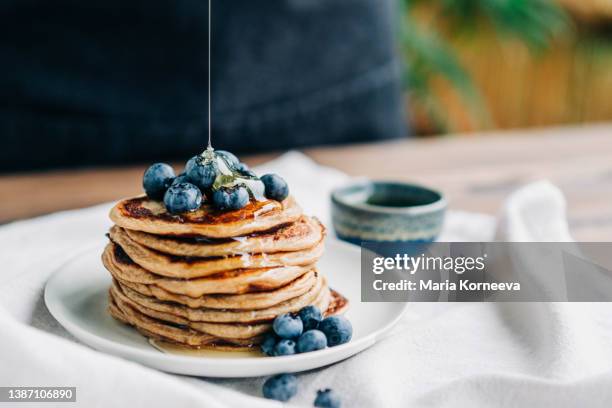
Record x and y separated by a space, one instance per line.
280 387
276 188
229 158
338 330
311 316
327 398
267 345
284 347
201 173
182 197
245 170
233 198
157 179
287 326
181 178
311 340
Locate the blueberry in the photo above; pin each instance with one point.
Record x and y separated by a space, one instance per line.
338 330
311 340
181 178
244 170
287 326
280 387
311 316
201 173
157 179
267 345
233 198
182 197
276 187
327 398
229 158
284 347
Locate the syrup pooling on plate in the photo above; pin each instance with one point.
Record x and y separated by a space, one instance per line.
211 352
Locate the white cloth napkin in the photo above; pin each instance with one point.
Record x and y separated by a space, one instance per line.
477 355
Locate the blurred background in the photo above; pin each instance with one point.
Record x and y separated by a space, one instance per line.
487 64
113 82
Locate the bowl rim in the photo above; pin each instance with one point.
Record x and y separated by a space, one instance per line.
338 198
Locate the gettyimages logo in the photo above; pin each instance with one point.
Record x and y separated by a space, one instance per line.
486 271
412 264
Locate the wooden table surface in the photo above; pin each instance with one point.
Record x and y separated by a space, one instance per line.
475 171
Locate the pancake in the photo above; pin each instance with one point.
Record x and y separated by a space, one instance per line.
305 233
338 304
211 278
217 330
159 330
187 337
319 295
144 214
230 282
253 300
195 267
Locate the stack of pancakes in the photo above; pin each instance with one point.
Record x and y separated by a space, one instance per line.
212 278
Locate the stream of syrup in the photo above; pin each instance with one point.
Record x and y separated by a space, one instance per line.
229 177
209 148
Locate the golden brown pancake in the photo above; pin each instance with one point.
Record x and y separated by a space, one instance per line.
185 336
218 330
230 282
213 278
338 304
160 330
253 300
144 214
318 295
302 234
195 267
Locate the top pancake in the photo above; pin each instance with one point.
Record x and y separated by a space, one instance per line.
144 214
305 233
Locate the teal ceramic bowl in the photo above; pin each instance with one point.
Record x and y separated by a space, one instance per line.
383 211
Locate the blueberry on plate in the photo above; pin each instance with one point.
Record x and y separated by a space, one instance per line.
311 316
327 398
276 188
201 173
311 340
182 197
267 345
229 158
287 326
231 198
157 178
280 387
337 329
284 347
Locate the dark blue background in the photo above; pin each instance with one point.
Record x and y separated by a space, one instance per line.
90 82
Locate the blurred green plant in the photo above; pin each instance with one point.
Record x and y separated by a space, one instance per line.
428 53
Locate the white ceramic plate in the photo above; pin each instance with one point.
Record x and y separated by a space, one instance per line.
76 296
